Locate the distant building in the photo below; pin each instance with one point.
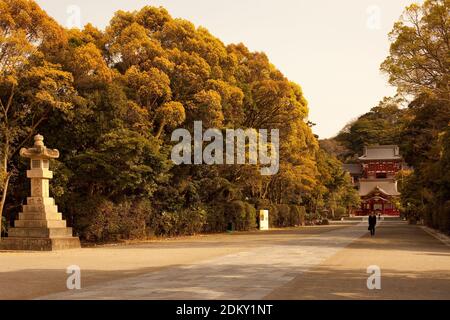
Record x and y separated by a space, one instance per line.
374 177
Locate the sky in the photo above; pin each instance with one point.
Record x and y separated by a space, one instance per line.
333 49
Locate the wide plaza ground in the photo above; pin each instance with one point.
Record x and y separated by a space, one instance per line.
326 262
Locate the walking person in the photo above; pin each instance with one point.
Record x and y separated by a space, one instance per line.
372 223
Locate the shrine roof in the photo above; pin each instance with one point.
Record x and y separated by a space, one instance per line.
383 152
387 187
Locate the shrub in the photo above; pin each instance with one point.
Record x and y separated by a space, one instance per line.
191 221
340 212
283 215
95 219
134 219
250 217
297 215
273 216
187 221
98 219
215 218
164 224
241 214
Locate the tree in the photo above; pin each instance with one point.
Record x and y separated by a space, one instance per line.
88 67
170 114
30 86
133 47
419 55
206 106
338 189
149 89
382 125
124 163
26 103
419 66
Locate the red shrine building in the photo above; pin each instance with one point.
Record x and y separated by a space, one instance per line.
375 178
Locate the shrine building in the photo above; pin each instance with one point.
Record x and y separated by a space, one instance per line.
375 178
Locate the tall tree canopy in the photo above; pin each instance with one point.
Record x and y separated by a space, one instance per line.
419 56
383 124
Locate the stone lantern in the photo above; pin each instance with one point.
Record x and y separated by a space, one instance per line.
40 226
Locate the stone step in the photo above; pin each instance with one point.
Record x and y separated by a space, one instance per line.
38 244
39 208
40 232
40 224
40 216
40 201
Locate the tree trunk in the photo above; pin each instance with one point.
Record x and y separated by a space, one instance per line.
2 203
6 181
160 130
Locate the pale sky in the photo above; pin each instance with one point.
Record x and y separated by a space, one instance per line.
333 49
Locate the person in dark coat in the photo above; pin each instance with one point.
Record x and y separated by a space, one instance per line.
372 223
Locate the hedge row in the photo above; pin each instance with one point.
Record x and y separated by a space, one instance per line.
99 220
283 215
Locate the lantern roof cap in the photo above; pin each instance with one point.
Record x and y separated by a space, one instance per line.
39 150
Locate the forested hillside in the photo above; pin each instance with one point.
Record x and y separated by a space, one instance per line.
109 100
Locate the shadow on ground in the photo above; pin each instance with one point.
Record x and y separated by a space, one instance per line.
231 282
331 284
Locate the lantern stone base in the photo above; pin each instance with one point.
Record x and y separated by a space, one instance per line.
39 244
40 227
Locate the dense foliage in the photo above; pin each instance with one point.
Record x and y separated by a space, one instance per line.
383 124
109 100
